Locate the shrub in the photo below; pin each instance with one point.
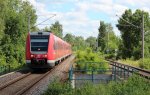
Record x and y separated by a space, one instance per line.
56 88
144 63
2 60
110 56
90 60
135 85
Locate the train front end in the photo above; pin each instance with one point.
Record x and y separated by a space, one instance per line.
37 49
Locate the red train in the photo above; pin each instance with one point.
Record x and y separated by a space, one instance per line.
45 50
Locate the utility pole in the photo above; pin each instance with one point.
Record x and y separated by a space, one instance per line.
97 44
142 30
107 42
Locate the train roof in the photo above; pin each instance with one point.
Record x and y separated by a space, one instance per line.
39 33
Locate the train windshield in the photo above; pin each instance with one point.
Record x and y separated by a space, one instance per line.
39 43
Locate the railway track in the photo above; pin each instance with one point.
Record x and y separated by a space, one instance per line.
13 81
131 69
22 84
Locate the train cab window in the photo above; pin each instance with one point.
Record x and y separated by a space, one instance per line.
39 43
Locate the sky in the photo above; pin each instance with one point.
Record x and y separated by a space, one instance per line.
82 17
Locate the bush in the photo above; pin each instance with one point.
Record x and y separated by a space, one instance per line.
130 62
57 88
90 60
135 85
144 63
2 60
110 56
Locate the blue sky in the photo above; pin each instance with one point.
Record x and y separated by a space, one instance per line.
82 17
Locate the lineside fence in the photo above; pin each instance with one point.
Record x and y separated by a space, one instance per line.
118 68
95 68
96 73
89 72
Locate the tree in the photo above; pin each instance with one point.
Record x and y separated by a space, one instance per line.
77 42
101 36
57 29
46 29
131 36
91 41
147 45
113 41
69 38
107 40
15 16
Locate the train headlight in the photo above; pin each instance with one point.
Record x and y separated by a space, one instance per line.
45 56
32 56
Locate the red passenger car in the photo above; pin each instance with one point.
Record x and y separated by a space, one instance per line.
45 50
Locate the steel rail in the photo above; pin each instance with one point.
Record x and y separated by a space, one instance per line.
14 81
25 89
139 71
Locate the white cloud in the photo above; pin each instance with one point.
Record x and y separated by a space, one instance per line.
77 21
146 9
134 3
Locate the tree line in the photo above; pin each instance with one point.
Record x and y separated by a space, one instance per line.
131 44
15 16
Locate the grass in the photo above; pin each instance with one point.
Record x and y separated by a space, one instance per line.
144 64
130 62
135 85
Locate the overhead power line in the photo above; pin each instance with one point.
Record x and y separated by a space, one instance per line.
45 20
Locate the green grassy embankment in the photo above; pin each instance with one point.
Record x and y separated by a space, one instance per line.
135 85
144 64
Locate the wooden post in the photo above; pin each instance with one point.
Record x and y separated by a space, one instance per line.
124 72
115 72
128 71
92 76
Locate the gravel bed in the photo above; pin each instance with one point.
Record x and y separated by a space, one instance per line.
19 85
60 72
12 76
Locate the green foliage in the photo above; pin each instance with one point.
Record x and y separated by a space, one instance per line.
14 15
113 42
69 38
91 41
2 60
57 88
77 42
110 56
144 63
147 44
131 36
101 36
90 60
135 85
87 55
107 40
130 62
56 29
